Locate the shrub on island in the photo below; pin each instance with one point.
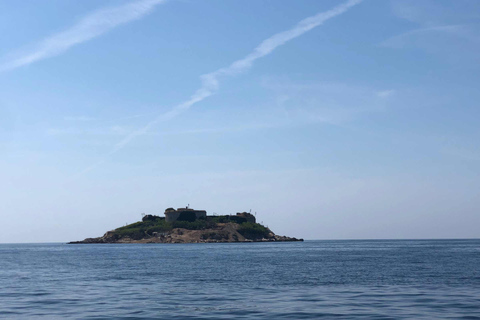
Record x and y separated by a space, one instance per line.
150 224
252 230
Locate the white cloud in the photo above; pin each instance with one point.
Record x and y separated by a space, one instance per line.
430 13
91 26
326 102
210 81
418 36
439 28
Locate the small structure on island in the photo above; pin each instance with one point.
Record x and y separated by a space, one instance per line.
248 216
189 214
184 214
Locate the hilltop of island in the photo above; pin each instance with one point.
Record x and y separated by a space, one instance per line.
186 225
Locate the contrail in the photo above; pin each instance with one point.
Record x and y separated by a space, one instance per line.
91 26
210 81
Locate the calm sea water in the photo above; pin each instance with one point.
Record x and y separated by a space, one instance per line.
315 279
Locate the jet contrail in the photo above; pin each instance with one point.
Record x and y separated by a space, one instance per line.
91 26
210 81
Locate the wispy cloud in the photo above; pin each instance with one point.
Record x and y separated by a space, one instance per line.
331 103
401 40
91 26
430 13
440 28
456 44
211 81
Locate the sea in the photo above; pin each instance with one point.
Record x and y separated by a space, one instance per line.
378 279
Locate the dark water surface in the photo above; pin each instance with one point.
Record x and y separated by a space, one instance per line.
407 279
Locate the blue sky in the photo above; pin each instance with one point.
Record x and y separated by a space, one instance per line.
360 122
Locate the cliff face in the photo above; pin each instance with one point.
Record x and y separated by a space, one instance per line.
220 232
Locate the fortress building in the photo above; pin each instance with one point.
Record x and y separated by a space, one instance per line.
184 214
248 216
190 215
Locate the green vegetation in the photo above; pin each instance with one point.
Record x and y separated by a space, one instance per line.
252 230
151 224
227 219
141 229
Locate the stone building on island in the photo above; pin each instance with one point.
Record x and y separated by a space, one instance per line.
189 214
185 214
248 216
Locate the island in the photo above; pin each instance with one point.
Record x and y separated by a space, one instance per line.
186 225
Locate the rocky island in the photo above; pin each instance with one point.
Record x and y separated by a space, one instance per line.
186 225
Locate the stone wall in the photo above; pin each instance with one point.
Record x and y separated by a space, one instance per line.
250 217
171 216
201 214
